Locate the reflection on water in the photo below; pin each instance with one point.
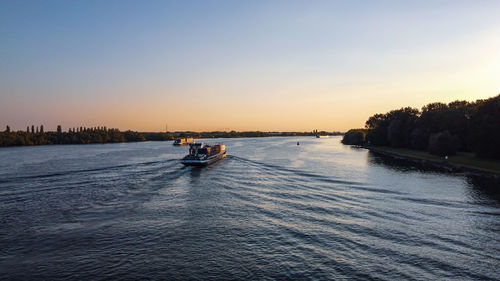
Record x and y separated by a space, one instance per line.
195 172
270 210
398 164
481 188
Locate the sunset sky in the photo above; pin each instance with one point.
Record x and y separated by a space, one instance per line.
240 65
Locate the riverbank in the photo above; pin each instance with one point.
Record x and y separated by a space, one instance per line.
462 162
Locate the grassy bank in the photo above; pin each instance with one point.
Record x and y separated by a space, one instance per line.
461 161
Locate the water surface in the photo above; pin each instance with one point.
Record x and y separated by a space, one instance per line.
270 210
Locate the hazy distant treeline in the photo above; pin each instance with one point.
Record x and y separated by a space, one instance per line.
249 134
37 136
439 128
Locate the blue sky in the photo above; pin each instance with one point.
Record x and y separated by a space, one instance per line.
246 65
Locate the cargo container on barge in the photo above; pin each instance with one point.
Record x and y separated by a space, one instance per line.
183 141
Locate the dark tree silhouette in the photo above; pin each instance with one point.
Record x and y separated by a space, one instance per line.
485 128
442 143
440 128
355 137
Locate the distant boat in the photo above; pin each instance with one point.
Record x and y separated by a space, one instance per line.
183 141
322 136
203 155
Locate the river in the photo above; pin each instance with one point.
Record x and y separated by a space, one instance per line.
271 210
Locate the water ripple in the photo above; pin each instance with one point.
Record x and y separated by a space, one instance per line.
251 216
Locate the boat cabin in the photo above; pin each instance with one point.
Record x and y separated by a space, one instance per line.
197 148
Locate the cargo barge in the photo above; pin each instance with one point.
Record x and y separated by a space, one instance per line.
183 141
203 155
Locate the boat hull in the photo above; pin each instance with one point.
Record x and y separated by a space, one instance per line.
205 162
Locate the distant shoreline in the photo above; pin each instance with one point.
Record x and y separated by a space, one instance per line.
102 135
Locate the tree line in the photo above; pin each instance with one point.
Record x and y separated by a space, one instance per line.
441 129
249 134
80 135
